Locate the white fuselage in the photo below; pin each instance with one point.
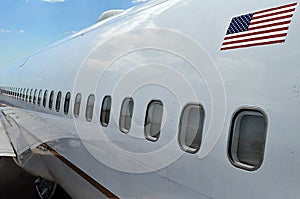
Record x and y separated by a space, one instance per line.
168 51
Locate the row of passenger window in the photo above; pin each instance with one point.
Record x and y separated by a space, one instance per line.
191 121
246 139
40 98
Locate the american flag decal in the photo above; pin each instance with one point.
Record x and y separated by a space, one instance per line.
264 27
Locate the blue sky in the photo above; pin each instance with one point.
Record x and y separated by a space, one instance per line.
29 25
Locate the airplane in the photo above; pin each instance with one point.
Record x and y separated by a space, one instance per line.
168 99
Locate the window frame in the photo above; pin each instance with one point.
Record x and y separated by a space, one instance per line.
121 127
182 146
58 101
67 103
89 108
39 100
22 94
35 94
230 138
77 105
148 135
103 114
30 96
45 97
27 95
51 100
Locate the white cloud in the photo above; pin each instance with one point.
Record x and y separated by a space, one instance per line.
138 1
4 31
21 31
54 1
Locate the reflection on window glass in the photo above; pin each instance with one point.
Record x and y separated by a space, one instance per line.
30 96
191 128
51 98
126 115
58 100
77 105
153 120
247 139
40 97
105 111
90 108
34 96
45 98
67 103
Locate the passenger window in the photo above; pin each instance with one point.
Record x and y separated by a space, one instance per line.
40 97
45 98
30 96
51 98
105 111
191 128
67 103
77 105
58 100
19 93
90 108
23 94
153 120
34 96
126 115
27 94
247 139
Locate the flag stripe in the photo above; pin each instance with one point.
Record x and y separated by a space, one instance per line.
279 7
256 33
272 14
270 25
255 39
254 44
271 19
281 15
255 36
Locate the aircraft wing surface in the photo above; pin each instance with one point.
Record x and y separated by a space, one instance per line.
5 146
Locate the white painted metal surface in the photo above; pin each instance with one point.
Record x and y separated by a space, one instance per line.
5 146
166 50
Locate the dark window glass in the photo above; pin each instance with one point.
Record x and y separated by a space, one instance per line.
247 139
30 96
105 111
153 120
58 100
51 98
126 115
40 97
45 98
34 96
67 103
23 94
77 105
18 93
27 95
90 108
